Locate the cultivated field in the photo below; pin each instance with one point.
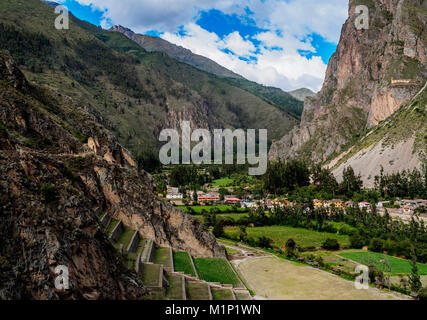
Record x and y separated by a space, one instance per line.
278 279
280 234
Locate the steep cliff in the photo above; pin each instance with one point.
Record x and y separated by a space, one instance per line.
59 171
371 75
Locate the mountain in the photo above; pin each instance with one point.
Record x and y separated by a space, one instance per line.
61 168
271 95
156 44
132 92
373 74
302 93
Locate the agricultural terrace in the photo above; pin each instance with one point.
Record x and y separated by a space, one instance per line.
216 270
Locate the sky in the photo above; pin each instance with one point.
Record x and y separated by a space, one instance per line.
280 43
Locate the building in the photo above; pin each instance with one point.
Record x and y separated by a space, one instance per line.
208 197
174 196
364 205
173 193
231 200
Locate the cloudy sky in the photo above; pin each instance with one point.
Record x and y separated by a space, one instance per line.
281 43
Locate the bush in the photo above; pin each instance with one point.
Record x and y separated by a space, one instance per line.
264 242
376 245
290 248
331 244
357 241
218 229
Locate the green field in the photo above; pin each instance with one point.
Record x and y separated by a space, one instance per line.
182 263
216 270
220 208
280 234
223 182
397 265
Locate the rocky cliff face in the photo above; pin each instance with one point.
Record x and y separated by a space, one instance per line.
55 182
365 81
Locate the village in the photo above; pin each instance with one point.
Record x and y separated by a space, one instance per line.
401 208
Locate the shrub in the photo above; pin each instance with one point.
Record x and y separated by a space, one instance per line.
357 241
376 245
218 229
331 244
264 242
48 192
290 248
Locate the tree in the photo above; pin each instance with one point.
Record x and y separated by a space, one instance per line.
414 278
218 229
331 244
290 248
351 183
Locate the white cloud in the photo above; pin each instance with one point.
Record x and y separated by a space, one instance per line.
239 46
285 69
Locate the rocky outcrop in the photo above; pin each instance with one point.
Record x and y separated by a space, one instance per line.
359 90
55 182
302 93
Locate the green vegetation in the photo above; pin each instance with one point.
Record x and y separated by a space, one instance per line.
112 225
197 291
221 294
280 234
223 182
150 275
163 256
132 256
174 291
216 270
215 209
182 263
124 239
397 265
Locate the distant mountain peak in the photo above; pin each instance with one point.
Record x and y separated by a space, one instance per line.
156 44
302 93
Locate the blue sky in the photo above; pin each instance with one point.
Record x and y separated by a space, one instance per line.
282 43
